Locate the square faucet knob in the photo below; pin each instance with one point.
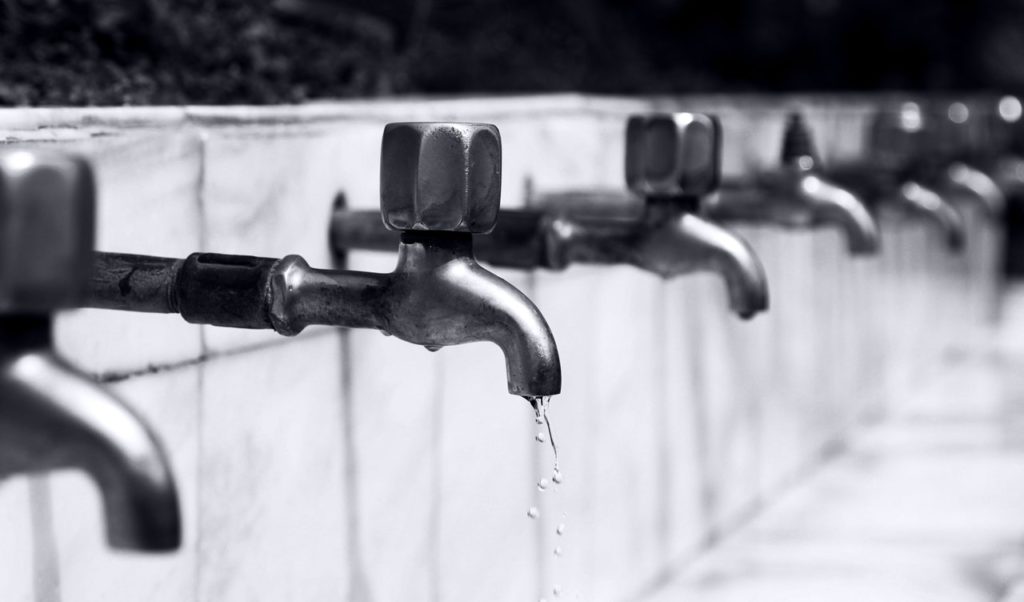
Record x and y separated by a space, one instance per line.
897 135
673 154
47 215
443 177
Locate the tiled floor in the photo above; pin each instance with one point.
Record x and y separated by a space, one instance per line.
926 506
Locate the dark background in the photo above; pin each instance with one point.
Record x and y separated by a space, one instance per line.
110 52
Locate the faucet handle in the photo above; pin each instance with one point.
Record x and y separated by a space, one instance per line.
47 215
798 143
673 154
443 177
896 137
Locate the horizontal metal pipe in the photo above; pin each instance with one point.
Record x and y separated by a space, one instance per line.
517 240
133 283
205 288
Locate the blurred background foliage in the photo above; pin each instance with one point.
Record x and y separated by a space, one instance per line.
103 52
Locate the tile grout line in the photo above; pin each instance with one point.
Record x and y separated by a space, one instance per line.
358 587
437 492
204 356
45 551
663 451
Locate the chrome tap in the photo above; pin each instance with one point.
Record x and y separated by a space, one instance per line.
51 415
673 161
440 184
957 138
885 176
796 195
1006 162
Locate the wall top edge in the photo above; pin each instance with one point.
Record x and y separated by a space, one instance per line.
99 119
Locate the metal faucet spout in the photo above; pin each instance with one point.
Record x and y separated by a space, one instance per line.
831 204
978 185
51 417
925 201
702 245
438 295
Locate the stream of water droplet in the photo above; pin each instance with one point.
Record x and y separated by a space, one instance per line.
540 406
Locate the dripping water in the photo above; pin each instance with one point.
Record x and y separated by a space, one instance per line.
540 407
545 435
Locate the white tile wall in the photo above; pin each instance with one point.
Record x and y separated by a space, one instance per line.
274 501
26 550
354 466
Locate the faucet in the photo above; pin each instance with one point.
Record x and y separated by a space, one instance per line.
796 195
672 161
957 140
885 176
1006 155
440 184
51 415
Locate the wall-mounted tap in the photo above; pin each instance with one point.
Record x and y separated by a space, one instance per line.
796 195
885 176
440 184
1006 149
957 138
51 415
673 161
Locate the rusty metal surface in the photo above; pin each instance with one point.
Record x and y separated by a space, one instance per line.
133 282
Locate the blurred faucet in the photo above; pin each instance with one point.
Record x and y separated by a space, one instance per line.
440 184
672 161
1006 148
885 178
51 415
959 157
796 195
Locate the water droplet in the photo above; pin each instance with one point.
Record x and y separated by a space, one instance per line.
538 419
542 484
558 550
533 512
540 438
557 590
561 529
385 333
557 476
432 347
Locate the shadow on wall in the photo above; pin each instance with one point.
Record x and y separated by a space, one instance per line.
86 52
